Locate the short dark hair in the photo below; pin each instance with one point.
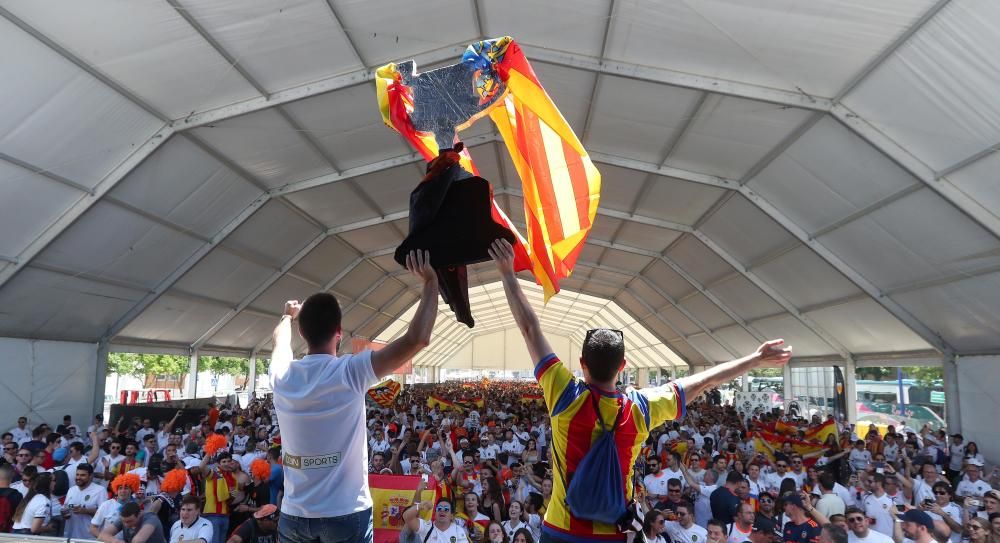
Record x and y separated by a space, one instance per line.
85 467
319 318
76 445
734 477
190 499
603 352
827 481
130 509
837 533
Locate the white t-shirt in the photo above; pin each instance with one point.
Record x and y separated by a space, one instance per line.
957 456
78 526
860 459
736 535
968 488
955 512
20 436
656 485
38 507
200 529
680 534
240 444
877 508
106 514
454 533
872 537
312 397
922 491
141 434
489 452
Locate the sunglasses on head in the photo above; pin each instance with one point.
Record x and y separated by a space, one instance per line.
591 332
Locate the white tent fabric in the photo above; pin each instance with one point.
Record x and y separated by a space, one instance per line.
824 171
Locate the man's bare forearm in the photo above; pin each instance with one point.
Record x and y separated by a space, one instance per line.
695 385
281 353
422 324
525 317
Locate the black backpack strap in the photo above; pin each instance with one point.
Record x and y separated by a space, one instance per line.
428 536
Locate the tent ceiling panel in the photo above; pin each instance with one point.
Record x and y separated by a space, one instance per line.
933 81
388 263
42 303
711 347
258 234
244 331
730 135
223 276
642 290
637 119
677 200
796 334
597 289
185 185
590 253
324 262
587 19
31 202
688 353
745 231
736 336
355 317
964 312
626 261
391 193
266 146
60 119
358 280
865 327
337 204
915 238
744 298
175 319
110 242
603 228
806 279
698 260
383 34
384 294
374 325
620 187
146 47
286 288
707 312
279 45
978 180
613 278
667 279
573 87
828 175
343 125
373 238
648 237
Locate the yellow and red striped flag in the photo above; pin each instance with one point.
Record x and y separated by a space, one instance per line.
385 392
560 184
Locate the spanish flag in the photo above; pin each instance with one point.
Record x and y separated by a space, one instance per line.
385 392
442 403
530 398
560 184
766 442
822 431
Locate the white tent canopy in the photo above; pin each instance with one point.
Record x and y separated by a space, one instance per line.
824 171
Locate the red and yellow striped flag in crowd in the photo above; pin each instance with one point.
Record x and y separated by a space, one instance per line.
560 185
442 403
385 392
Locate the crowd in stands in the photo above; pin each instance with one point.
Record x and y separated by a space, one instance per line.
484 449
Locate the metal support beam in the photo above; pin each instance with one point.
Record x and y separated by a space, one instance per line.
251 387
967 161
247 300
191 391
100 377
46 174
677 79
850 389
867 210
774 294
953 407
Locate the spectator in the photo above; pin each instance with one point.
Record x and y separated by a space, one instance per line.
799 528
860 529
82 502
442 530
9 499
134 527
34 514
261 528
190 527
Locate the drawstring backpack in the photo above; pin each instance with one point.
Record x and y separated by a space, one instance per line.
596 490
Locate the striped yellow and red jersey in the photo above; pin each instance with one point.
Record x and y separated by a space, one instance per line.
575 427
218 490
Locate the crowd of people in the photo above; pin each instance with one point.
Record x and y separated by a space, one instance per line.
564 459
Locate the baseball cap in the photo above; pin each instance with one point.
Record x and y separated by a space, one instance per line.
764 525
191 462
269 511
917 516
976 462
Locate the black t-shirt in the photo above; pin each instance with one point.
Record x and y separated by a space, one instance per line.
807 532
724 505
250 532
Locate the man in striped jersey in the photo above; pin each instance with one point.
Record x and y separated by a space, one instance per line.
572 403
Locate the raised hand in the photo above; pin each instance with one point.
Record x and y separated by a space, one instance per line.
773 352
503 254
419 264
292 308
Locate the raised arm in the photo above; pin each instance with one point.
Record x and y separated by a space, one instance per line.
95 449
770 352
524 314
281 352
418 334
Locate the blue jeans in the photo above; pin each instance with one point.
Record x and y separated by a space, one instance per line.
347 528
220 527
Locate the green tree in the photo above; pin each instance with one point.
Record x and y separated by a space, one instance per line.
926 376
766 372
137 364
223 365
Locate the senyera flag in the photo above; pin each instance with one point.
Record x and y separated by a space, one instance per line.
443 404
560 184
385 392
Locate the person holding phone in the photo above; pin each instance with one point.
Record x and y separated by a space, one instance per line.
944 509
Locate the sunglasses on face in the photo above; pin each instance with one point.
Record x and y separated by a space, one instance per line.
856 519
782 465
443 509
941 492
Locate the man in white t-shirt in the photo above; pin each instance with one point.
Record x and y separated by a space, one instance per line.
876 504
444 529
20 432
82 501
973 485
319 400
684 530
859 457
191 527
859 530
